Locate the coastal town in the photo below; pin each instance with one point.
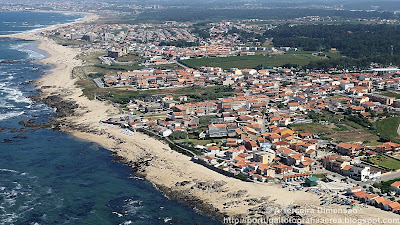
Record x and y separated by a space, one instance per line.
234 98
273 124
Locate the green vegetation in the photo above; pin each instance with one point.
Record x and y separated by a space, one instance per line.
313 128
251 61
248 36
332 54
119 67
96 75
67 42
383 161
320 175
385 185
240 176
394 94
206 119
122 95
212 93
340 127
363 122
200 31
172 66
192 141
178 135
178 43
352 124
387 129
362 44
132 57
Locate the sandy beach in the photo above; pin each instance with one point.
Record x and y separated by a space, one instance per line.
172 172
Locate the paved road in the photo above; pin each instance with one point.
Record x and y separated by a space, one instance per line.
398 130
391 176
98 82
180 64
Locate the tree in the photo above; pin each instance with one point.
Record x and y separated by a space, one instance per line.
177 135
259 67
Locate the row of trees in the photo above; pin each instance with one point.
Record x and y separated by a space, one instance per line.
178 43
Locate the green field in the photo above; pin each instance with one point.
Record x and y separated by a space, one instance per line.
384 161
313 128
243 62
124 94
130 58
387 128
394 94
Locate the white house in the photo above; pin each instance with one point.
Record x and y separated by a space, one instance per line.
166 132
360 172
346 86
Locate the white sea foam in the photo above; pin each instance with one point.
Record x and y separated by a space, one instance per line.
32 54
15 95
118 214
7 170
10 115
132 206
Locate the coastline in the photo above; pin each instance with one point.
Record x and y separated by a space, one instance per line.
171 172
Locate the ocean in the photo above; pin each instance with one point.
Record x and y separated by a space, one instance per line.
50 177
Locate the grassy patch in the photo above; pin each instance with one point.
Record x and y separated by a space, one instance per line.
129 58
333 54
340 127
391 93
206 119
387 128
251 61
124 94
88 87
92 57
119 67
384 161
68 42
353 124
355 136
320 175
313 128
173 66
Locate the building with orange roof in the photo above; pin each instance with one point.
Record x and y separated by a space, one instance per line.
388 146
395 187
385 204
377 201
394 206
350 148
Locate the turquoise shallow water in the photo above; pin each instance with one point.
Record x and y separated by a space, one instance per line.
49 177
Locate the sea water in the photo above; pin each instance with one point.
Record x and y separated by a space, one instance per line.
50 177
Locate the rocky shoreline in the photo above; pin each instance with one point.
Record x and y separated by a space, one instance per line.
182 191
65 108
209 192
